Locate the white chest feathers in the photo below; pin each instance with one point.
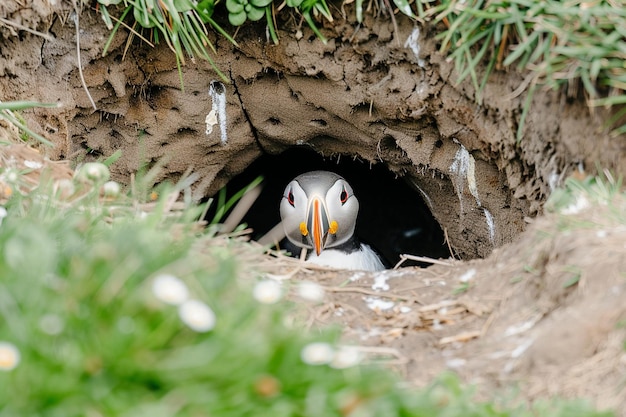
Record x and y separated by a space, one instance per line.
364 259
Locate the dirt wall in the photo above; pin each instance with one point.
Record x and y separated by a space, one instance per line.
372 92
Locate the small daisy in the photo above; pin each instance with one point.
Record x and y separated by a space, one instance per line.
318 353
111 189
94 172
311 291
170 289
267 292
346 357
9 356
11 176
197 315
580 203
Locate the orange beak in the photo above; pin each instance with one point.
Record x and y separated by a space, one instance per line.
318 224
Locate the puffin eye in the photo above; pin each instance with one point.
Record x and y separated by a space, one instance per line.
290 198
344 196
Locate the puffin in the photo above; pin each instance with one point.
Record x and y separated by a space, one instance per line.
318 211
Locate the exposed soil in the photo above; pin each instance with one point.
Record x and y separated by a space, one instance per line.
388 97
543 316
381 95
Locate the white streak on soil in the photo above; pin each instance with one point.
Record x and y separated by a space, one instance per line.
426 197
376 304
217 92
491 225
413 44
380 283
463 169
459 168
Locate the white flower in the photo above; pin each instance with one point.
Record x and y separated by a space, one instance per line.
170 289
319 353
197 315
11 176
111 189
93 172
311 291
33 164
9 356
579 204
267 292
346 357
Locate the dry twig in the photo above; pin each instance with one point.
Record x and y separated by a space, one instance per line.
80 66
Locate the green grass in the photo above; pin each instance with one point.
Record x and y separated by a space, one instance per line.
9 113
182 24
580 194
560 43
78 302
578 46
602 197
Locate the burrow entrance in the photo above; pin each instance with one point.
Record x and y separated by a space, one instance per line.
393 217
413 146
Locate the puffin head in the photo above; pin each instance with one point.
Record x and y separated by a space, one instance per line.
319 210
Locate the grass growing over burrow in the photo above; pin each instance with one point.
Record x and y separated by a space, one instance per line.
574 44
113 304
578 45
559 43
183 24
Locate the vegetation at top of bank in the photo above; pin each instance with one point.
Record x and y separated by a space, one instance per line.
560 44
181 24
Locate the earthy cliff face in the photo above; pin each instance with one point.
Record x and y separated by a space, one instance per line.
373 93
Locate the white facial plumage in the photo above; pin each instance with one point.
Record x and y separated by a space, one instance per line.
319 211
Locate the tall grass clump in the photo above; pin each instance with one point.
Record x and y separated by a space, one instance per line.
560 43
182 24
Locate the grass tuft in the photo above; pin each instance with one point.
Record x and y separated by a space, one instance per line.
563 44
578 195
8 113
178 23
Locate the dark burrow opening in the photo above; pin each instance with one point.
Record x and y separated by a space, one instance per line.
393 217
